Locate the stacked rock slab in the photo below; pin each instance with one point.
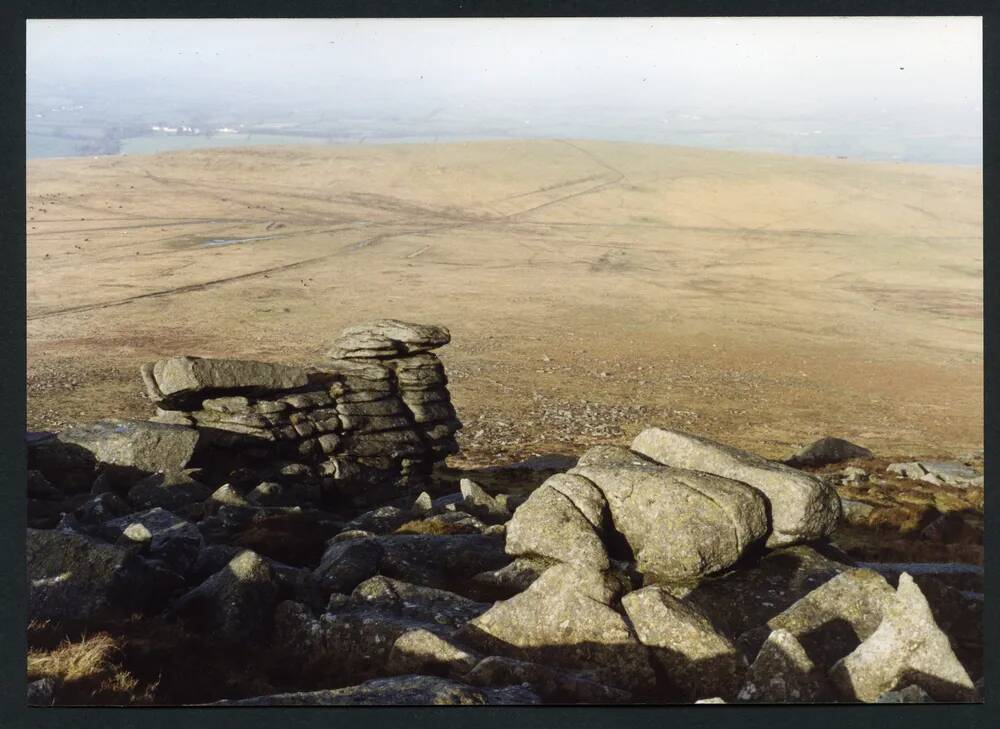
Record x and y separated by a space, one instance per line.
375 416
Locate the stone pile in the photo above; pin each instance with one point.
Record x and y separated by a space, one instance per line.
376 414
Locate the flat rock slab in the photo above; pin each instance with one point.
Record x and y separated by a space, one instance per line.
388 338
175 378
398 691
803 508
136 444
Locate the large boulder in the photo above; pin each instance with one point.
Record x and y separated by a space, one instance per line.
907 648
696 658
388 338
235 603
803 508
565 618
173 379
828 450
397 691
141 446
564 519
72 577
680 524
833 619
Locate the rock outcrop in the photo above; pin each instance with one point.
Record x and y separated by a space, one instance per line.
803 508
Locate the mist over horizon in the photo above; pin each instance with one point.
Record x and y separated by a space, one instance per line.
905 89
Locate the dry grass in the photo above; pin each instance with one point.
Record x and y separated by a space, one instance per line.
434 526
88 670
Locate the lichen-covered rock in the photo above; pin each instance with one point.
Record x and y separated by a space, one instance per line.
552 684
387 338
907 695
803 508
565 619
782 673
174 378
346 564
907 648
235 603
141 445
480 504
828 450
172 490
680 524
695 657
425 604
564 519
445 561
397 691
72 577
833 619
160 534
424 652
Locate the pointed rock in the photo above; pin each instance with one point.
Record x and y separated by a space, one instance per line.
782 673
907 648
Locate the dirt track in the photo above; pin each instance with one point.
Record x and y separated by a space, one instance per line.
590 287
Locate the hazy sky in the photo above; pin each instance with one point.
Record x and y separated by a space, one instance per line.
769 67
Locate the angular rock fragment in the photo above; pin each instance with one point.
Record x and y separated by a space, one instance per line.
907 648
696 658
235 603
832 620
803 508
782 673
160 534
421 651
565 619
176 377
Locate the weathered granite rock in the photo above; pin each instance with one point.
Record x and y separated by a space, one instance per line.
907 695
563 519
424 604
72 577
140 445
680 524
550 683
782 673
514 577
827 450
743 599
832 620
101 508
386 338
397 691
346 564
696 658
171 490
480 504
424 652
907 648
445 561
235 603
564 619
176 377
160 534
803 508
